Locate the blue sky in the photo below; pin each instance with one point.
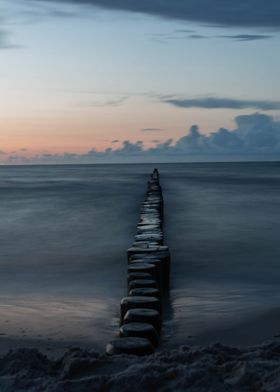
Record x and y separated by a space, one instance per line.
77 78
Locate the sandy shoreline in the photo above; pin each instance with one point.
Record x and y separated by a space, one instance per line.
54 366
196 369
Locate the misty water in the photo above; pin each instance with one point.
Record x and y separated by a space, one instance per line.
64 231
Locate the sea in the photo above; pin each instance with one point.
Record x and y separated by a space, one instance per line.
65 229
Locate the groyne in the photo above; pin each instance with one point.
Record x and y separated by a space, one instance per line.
141 312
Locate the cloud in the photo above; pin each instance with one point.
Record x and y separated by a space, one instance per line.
184 31
249 13
256 136
110 102
151 130
175 35
247 37
196 36
115 141
28 11
219 103
181 35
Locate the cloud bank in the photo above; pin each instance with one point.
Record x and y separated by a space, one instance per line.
256 136
182 35
219 103
246 37
246 13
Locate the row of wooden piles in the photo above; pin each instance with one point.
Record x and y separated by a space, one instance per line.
147 279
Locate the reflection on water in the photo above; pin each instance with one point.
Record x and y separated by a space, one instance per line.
64 231
64 319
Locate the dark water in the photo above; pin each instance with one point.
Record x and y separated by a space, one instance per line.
64 231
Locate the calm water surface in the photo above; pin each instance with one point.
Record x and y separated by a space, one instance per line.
64 231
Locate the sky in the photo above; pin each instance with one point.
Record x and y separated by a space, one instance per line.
93 81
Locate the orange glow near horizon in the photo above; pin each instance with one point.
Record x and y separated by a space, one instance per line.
81 132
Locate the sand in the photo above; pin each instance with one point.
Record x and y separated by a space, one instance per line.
215 367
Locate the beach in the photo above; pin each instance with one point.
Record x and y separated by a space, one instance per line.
210 368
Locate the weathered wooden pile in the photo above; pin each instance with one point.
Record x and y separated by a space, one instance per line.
148 279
